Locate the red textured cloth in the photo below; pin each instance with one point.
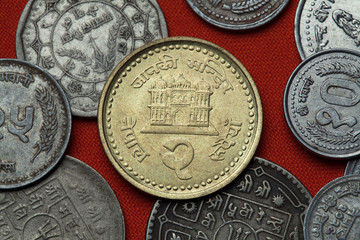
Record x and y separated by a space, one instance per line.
269 53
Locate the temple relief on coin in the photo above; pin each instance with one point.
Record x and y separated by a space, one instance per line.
321 103
264 202
35 123
334 212
321 25
73 202
237 14
80 42
173 108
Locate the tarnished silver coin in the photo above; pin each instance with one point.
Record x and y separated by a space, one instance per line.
35 123
79 42
239 14
334 213
353 167
73 202
321 25
265 202
321 103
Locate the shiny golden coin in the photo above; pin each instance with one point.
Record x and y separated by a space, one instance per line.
180 118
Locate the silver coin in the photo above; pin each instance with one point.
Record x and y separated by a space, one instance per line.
265 202
237 15
353 167
35 123
321 103
334 212
79 42
321 25
73 202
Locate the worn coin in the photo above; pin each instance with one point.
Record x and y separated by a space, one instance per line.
81 41
73 202
174 107
321 103
265 202
35 123
237 15
328 24
334 211
353 167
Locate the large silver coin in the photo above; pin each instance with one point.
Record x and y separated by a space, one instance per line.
353 167
80 41
35 123
73 202
321 103
321 25
265 202
237 15
334 213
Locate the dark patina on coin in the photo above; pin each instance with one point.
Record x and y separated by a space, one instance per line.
73 202
334 213
321 25
321 103
265 202
353 167
237 15
80 41
35 123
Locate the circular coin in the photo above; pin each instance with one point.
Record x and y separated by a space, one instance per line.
321 25
321 103
353 167
73 202
237 15
81 41
175 106
265 202
35 123
334 211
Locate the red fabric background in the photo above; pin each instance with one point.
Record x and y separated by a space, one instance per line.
270 55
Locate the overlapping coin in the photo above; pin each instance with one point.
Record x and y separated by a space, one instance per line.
321 25
35 123
335 210
353 167
180 118
73 202
237 15
79 42
321 103
265 202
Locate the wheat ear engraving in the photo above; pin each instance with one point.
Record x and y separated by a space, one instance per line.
49 125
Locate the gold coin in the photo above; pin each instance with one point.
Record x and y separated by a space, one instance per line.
180 118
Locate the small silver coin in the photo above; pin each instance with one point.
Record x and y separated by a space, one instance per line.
321 103
335 210
353 167
237 15
79 42
321 25
73 202
265 202
35 123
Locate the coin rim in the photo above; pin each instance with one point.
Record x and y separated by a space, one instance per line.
67 132
166 193
299 47
349 170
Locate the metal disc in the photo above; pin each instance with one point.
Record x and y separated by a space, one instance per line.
73 202
353 167
334 211
321 25
237 15
177 105
265 202
79 42
321 103
35 123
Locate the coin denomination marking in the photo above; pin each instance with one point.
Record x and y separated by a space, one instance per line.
329 115
24 79
340 92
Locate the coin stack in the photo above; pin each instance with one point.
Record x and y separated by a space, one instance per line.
180 119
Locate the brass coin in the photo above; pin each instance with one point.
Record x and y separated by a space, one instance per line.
180 118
